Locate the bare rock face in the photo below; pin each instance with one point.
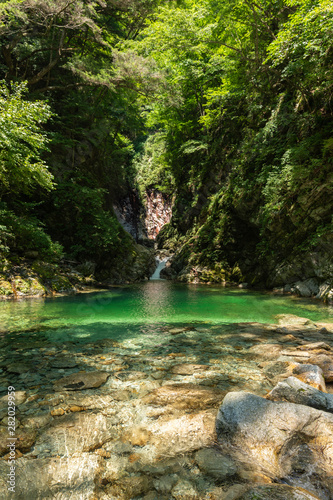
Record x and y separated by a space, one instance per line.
79 381
296 391
284 440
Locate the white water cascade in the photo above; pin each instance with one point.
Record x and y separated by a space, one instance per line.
160 265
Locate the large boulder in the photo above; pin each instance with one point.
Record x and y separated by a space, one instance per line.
283 440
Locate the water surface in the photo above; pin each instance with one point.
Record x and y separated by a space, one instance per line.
129 311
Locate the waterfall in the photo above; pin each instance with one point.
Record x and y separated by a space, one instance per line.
160 265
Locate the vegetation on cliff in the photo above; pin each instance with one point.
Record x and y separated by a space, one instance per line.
226 106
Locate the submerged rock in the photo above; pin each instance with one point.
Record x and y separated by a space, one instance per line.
213 463
276 492
185 396
82 380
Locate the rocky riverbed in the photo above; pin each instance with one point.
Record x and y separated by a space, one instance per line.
125 420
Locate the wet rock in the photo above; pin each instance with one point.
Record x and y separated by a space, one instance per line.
18 368
63 363
295 391
325 363
185 490
185 396
74 433
276 492
26 438
20 398
37 421
234 492
82 380
68 477
213 463
57 412
129 487
311 375
165 483
188 369
187 433
281 439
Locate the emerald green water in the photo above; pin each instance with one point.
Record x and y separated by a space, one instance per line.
126 312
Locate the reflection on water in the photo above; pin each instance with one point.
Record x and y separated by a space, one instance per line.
121 309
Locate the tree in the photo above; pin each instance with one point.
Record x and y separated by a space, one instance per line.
22 141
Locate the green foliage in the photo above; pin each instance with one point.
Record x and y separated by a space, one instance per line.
92 232
21 234
22 141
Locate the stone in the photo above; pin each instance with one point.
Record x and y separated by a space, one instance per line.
164 484
129 487
18 368
63 363
311 375
190 432
69 477
57 412
266 351
184 490
292 319
185 396
280 439
20 398
235 492
276 492
315 345
323 291
302 289
188 369
295 391
74 433
213 463
81 380
325 363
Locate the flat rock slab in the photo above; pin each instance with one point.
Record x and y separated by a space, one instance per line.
79 381
280 439
188 369
185 396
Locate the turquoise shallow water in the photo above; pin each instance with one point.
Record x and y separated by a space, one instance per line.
123 312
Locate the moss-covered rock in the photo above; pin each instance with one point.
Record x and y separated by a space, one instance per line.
28 286
61 284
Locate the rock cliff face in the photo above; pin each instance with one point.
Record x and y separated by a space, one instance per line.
158 212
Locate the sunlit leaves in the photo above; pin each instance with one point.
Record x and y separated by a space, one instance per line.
22 141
